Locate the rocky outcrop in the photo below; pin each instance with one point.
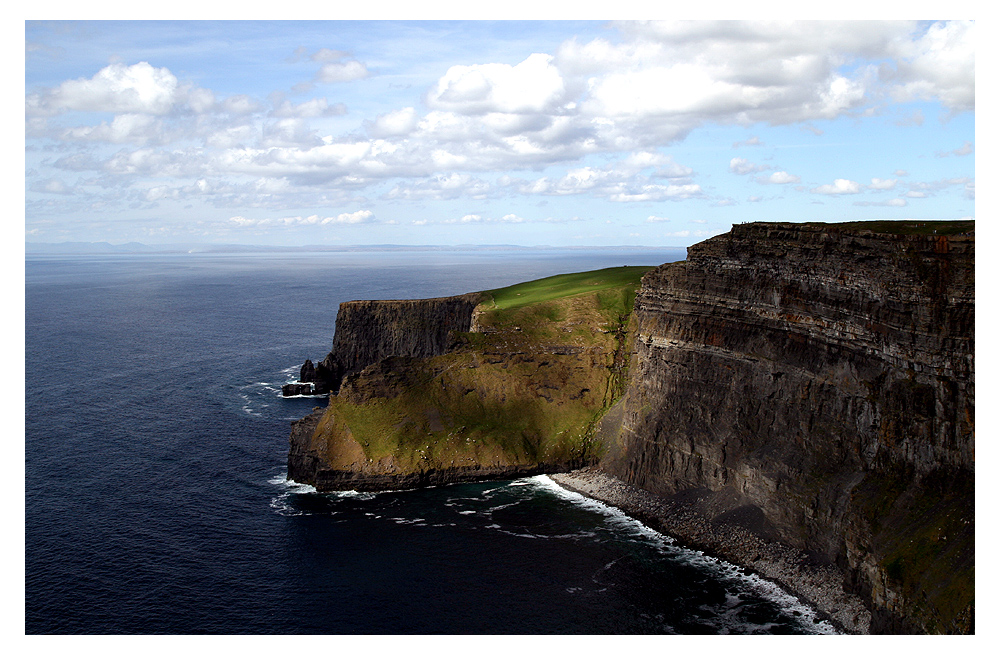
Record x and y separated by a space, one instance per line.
822 378
368 331
446 398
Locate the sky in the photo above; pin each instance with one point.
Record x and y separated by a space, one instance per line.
557 133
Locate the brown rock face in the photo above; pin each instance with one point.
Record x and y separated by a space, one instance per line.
369 331
824 377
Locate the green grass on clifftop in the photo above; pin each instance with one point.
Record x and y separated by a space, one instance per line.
561 286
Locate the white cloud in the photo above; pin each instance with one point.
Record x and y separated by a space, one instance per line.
939 65
394 123
355 218
159 193
441 187
741 166
617 181
740 72
882 185
664 165
346 71
477 219
895 202
752 141
360 216
124 128
964 149
328 55
52 185
534 85
657 219
237 136
839 187
916 118
309 109
138 89
652 192
779 177
240 105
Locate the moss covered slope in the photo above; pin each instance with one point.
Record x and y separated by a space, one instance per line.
521 391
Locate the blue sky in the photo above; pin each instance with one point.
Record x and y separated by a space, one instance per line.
575 133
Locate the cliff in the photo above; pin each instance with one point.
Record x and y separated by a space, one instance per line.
503 383
821 380
369 331
812 384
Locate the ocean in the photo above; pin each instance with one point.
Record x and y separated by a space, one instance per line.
155 492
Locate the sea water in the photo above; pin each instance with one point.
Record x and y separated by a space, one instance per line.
155 493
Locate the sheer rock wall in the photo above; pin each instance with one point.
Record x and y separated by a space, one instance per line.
824 379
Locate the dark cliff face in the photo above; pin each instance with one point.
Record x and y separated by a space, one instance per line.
369 331
824 377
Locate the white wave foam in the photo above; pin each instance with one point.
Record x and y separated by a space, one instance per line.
247 405
790 605
292 486
356 495
616 516
404 521
280 503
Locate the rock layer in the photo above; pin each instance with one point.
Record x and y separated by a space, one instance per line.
824 379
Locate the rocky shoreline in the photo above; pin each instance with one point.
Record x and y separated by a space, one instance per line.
819 585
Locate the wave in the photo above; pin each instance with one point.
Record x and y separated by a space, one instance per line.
791 606
281 503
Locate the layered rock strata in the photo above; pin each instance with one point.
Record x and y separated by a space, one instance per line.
822 380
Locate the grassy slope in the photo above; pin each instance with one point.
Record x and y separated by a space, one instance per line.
527 388
561 286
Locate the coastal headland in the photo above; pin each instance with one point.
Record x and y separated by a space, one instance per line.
797 398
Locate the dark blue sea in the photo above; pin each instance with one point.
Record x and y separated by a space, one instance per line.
155 491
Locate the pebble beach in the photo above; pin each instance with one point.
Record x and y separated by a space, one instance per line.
821 586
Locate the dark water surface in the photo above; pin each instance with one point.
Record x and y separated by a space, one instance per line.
155 499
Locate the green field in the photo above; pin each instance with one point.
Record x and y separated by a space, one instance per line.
561 286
